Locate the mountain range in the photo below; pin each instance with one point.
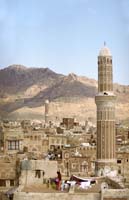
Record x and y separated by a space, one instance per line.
24 90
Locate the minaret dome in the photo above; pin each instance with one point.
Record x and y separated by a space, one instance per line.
105 51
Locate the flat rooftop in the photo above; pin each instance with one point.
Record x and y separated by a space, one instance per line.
40 188
43 188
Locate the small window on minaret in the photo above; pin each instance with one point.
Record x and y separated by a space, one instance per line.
104 60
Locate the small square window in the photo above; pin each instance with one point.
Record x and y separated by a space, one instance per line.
119 161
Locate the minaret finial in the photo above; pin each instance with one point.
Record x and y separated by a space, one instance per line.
104 43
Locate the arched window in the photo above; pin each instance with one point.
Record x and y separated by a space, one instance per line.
108 61
104 60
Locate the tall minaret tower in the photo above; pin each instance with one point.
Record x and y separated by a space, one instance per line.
105 102
46 111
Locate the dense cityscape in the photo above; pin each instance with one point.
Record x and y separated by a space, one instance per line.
68 158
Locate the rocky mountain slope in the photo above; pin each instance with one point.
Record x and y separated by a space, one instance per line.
23 92
17 79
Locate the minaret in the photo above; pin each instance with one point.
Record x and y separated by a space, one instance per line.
46 111
105 102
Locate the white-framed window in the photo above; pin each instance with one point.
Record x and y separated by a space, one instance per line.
13 145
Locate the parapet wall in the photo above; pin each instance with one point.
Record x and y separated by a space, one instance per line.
113 194
107 194
56 196
115 183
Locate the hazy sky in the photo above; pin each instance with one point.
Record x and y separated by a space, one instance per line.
65 35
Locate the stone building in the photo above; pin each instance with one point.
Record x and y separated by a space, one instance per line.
57 142
8 175
13 137
123 163
105 101
69 123
35 171
87 151
122 135
26 125
33 141
75 161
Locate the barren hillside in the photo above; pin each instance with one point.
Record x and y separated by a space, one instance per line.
23 92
